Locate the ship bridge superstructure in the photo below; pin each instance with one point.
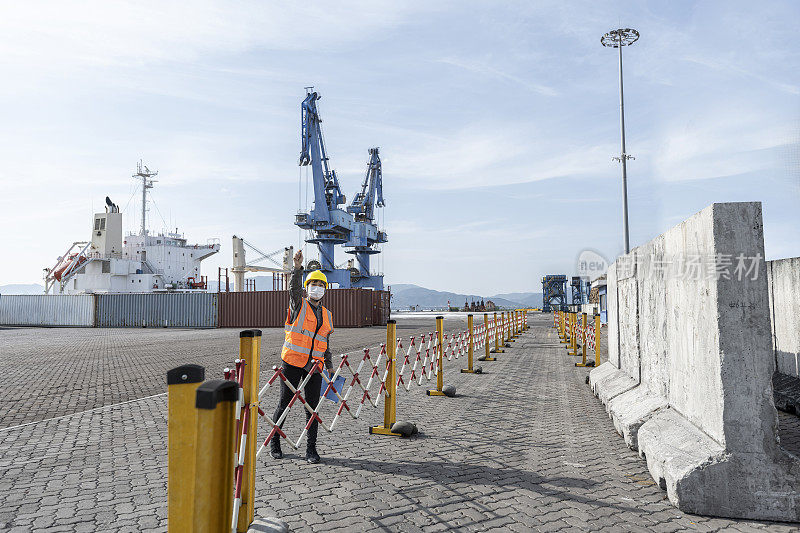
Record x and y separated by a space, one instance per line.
143 262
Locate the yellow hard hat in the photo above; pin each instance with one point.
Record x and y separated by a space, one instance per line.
316 275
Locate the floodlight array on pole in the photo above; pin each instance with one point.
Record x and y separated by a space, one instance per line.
617 39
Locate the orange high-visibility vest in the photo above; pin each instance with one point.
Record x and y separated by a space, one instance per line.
299 334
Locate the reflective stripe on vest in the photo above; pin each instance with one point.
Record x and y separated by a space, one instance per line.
297 346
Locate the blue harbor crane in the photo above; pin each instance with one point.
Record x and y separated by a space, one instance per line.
554 293
353 227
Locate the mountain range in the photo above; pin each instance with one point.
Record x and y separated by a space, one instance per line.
22 288
405 295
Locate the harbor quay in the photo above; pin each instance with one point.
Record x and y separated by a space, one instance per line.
524 446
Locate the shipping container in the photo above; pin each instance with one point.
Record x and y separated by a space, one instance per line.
156 310
267 309
381 311
47 310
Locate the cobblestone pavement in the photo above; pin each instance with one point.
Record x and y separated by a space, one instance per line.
77 369
523 447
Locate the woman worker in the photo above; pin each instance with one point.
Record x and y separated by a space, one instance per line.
307 329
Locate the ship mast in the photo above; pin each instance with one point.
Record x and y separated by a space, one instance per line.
147 183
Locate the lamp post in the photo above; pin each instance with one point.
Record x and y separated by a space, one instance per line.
618 39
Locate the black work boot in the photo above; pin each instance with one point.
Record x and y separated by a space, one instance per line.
311 454
275 447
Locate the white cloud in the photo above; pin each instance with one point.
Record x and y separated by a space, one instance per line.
723 141
103 33
481 156
484 69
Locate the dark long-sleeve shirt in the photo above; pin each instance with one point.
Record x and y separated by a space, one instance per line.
296 304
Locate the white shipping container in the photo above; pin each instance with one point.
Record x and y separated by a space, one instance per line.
46 310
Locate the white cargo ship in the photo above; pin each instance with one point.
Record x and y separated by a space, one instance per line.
138 263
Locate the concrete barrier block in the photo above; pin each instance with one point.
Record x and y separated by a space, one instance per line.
600 373
633 408
703 414
784 300
674 448
611 312
653 311
607 382
702 477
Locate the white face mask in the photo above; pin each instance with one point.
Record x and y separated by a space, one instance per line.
315 292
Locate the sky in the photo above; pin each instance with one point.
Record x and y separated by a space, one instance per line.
496 121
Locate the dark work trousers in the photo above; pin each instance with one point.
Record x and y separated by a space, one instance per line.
311 392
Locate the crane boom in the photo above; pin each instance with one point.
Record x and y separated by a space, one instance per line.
329 224
364 202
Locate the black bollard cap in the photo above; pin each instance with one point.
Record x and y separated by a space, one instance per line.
186 374
210 393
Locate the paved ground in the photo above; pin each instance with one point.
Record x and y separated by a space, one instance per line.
524 447
76 369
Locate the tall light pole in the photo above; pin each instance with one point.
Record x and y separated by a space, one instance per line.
618 39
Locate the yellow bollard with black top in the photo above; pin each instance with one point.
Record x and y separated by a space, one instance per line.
250 351
215 401
486 356
497 336
440 389
562 323
583 336
390 394
470 351
182 383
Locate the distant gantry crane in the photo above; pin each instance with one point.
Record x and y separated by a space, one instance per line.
554 292
355 227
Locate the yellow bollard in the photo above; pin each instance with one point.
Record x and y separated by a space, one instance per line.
182 383
250 351
497 335
470 349
439 353
390 395
215 401
564 328
583 342
596 340
486 356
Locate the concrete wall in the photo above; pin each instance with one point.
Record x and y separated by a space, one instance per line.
690 385
784 304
